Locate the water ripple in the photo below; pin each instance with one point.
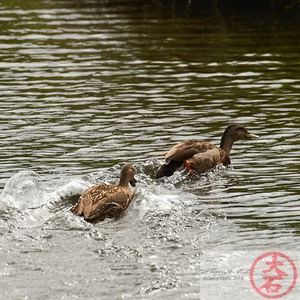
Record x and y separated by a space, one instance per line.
86 89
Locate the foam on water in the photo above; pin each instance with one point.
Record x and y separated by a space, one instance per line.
28 201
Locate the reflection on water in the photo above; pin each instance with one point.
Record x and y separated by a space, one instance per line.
87 86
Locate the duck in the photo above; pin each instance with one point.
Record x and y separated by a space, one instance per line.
107 200
201 156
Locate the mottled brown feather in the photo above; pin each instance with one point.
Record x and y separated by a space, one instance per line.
105 200
202 162
187 149
202 156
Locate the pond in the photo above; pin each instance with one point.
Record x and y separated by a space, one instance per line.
90 85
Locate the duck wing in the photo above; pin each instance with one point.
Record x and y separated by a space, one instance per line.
202 162
111 206
187 149
101 200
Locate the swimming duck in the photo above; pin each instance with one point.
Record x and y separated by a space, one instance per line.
201 156
106 200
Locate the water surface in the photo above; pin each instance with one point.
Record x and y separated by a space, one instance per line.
90 85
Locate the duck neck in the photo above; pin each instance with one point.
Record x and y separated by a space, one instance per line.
226 143
123 182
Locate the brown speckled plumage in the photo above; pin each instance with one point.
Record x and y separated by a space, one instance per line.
201 156
106 200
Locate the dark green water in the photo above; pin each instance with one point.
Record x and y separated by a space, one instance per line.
89 85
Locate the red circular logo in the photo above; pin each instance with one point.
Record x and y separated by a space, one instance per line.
273 275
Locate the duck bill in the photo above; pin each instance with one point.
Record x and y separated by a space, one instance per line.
133 182
251 135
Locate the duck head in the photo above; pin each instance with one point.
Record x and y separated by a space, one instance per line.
238 132
234 133
127 175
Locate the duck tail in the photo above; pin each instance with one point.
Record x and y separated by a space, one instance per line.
168 169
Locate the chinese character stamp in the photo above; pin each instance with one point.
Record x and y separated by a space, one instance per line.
273 275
